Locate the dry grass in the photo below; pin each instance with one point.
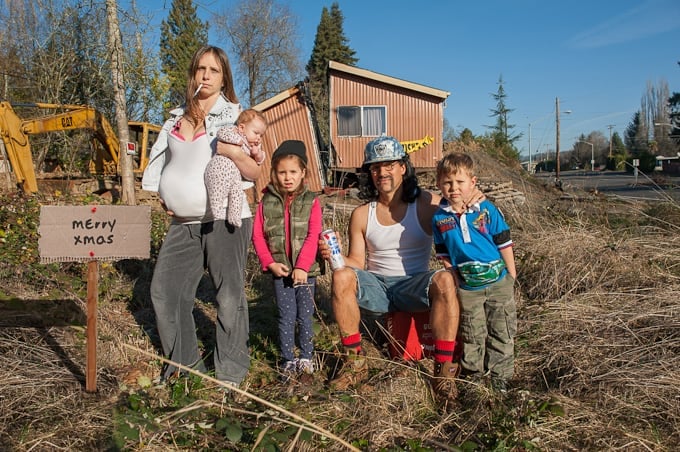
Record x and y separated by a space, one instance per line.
601 324
598 354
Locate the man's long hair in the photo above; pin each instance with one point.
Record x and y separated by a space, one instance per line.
409 187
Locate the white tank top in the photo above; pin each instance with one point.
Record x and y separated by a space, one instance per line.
182 187
397 250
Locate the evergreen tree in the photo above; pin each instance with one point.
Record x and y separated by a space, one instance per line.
181 35
501 131
637 140
617 146
330 44
636 136
466 136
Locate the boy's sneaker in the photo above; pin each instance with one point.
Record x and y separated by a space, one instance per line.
289 371
306 366
499 385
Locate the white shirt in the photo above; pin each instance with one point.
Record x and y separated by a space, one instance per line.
401 249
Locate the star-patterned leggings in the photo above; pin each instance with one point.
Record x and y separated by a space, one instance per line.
296 309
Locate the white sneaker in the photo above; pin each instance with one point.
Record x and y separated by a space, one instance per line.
306 366
289 371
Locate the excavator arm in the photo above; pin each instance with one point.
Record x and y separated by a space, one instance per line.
15 131
17 147
105 159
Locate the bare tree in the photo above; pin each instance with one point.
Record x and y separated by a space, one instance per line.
582 152
146 87
55 55
655 110
115 46
262 35
55 52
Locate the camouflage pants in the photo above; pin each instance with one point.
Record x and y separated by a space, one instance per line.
488 324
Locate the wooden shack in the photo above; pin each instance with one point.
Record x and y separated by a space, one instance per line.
365 104
289 117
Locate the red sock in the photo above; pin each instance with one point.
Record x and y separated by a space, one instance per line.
352 343
443 350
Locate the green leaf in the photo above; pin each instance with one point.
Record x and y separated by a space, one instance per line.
233 432
222 424
306 435
129 432
556 409
469 446
135 402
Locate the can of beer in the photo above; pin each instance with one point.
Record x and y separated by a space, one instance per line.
337 260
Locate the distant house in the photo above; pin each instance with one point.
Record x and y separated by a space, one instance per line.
668 165
365 104
289 117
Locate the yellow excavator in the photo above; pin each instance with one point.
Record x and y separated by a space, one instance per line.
14 133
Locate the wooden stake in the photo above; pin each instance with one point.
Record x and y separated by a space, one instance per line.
92 291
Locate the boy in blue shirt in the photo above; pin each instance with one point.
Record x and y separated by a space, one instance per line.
475 245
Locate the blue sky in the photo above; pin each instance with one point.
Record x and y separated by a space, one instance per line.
596 56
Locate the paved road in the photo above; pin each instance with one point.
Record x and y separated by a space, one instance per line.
618 184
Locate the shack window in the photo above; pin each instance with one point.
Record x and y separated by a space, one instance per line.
366 121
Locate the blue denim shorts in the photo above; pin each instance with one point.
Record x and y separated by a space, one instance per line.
381 294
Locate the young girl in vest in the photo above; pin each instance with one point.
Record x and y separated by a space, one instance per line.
285 235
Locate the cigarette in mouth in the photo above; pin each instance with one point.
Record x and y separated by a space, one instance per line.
198 89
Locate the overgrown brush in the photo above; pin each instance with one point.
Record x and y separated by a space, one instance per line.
597 353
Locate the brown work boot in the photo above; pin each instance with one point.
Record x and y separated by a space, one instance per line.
444 383
353 372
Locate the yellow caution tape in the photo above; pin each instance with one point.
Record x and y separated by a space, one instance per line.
412 146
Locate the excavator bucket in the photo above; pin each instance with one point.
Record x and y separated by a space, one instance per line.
17 148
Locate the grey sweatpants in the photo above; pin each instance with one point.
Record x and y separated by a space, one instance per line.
186 251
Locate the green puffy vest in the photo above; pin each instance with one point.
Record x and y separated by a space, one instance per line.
273 205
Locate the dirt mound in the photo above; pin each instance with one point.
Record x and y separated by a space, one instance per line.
501 182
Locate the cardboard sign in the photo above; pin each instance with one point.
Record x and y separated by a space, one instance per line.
86 233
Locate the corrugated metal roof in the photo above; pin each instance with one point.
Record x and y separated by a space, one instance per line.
387 79
289 118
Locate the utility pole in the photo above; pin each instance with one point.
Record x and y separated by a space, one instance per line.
529 167
610 126
557 143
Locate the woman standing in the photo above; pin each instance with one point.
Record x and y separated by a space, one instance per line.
194 240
